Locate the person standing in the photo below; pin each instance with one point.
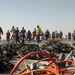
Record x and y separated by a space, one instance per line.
60 34
73 35
56 34
1 32
34 33
13 33
47 33
17 35
23 32
38 33
8 36
53 36
29 35
69 36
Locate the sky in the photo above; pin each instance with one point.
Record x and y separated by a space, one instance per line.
48 14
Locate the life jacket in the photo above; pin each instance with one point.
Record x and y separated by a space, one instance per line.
38 31
34 33
8 34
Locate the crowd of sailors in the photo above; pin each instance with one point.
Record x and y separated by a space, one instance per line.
20 36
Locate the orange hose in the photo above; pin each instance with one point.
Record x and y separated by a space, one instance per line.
32 53
39 70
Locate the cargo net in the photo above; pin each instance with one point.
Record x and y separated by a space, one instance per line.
53 48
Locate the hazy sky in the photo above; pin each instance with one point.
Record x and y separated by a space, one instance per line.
49 14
